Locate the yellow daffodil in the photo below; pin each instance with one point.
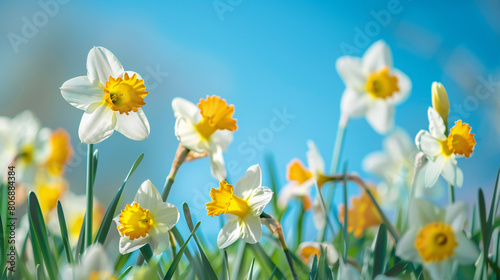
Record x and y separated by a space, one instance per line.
242 206
307 250
49 190
436 239
146 221
94 265
373 86
206 128
443 151
61 152
362 215
111 98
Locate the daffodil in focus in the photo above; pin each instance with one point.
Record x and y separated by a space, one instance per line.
207 127
94 265
146 221
307 250
443 150
373 86
362 215
242 206
436 239
111 98
440 101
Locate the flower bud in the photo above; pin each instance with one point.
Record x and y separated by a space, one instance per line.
440 101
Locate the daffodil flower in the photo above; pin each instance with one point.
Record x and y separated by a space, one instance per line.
111 98
95 264
307 250
443 150
301 179
373 86
242 205
436 239
362 215
207 127
146 221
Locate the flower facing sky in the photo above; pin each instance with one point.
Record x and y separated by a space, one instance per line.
146 221
242 206
373 86
206 128
111 98
362 215
436 239
443 150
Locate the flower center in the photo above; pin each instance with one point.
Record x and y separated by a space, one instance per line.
435 242
297 172
125 94
134 221
308 252
224 201
381 84
217 115
61 152
27 153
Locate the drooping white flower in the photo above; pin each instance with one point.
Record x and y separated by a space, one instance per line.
111 98
206 128
242 206
436 239
443 151
373 86
147 220
307 250
94 264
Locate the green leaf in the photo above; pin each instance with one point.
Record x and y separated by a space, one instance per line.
64 232
274 272
380 251
314 270
265 261
484 226
36 218
345 225
193 261
178 257
110 212
207 267
225 266
324 271
238 261
250 272
37 255
38 272
81 241
495 199
90 195
124 273
95 158
272 171
396 269
3 259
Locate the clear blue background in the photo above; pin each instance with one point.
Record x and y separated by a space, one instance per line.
261 56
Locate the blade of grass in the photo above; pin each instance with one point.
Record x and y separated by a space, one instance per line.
37 256
250 272
178 257
238 262
81 241
147 252
3 259
346 207
396 269
64 232
484 227
110 212
122 276
265 261
380 251
38 272
313 275
225 266
271 169
121 261
324 209
90 195
194 261
495 199
274 272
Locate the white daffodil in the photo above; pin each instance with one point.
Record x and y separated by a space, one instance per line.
111 98
301 179
242 205
147 220
7 148
307 250
206 128
95 264
443 150
373 86
436 239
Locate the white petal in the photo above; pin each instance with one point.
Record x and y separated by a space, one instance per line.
466 252
95 258
406 247
258 200
25 127
455 215
285 195
423 212
217 165
101 64
377 56
404 85
380 116
399 145
229 233
134 126
445 269
428 144
128 246
354 103
351 72
252 229
436 124
314 160
376 163
222 138
433 170
318 216
148 196
188 136
97 126
80 92
186 109
249 182
159 241
165 216
452 174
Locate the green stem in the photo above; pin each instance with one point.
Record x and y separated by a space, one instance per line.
299 226
179 159
346 224
90 195
451 192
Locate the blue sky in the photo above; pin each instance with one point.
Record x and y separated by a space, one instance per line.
263 56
